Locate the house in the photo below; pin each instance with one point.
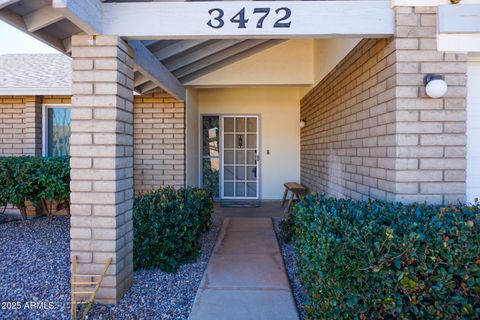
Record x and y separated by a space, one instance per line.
347 97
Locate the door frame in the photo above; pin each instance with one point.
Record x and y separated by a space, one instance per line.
222 132
200 152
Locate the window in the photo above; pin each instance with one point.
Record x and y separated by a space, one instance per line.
210 153
56 131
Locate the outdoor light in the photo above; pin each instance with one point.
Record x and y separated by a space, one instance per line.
435 85
302 124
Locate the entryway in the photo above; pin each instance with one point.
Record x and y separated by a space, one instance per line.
230 154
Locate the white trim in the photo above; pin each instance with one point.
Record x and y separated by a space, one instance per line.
473 129
155 71
458 42
36 91
459 19
427 3
188 20
85 14
45 107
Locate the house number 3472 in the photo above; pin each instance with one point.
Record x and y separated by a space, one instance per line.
217 18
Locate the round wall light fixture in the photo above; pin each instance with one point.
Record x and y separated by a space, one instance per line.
435 85
302 124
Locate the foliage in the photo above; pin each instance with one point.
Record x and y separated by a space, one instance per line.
287 228
34 179
167 225
376 260
53 179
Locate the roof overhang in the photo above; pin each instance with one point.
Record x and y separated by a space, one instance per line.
175 43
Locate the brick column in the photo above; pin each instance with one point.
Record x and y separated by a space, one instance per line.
102 160
32 142
431 133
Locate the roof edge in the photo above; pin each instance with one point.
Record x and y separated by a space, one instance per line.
35 91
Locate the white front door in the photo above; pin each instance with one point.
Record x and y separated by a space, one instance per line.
473 131
240 141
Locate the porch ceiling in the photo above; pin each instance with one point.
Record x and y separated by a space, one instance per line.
180 61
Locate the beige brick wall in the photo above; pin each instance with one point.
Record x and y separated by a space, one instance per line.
159 141
102 160
20 125
431 133
371 130
349 116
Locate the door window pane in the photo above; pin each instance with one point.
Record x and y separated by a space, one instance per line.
252 125
251 189
240 173
211 169
228 174
240 125
251 157
228 191
251 173
229 141
240 156
240 189
229 157
210 136
228 125
240 141
58 132
252 141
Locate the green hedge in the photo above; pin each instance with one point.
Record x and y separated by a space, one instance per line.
167 225
34 179
376 260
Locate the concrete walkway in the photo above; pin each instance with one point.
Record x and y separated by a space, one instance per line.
245 277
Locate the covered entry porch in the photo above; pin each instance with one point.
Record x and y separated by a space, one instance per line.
371 132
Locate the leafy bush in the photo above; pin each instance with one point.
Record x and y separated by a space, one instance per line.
34 179
167 225
287 228
376 260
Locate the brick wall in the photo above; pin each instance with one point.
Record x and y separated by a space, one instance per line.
20 125
431 133
344 146
159 141
371 130
101 160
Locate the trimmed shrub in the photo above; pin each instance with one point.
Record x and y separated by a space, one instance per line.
376 260
167 225
34 179
287 228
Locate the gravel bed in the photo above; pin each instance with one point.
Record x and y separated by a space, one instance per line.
34 266
35 269
288 254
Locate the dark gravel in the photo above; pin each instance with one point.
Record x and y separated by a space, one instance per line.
288 254
34 266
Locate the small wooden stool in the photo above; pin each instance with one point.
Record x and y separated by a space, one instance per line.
296 189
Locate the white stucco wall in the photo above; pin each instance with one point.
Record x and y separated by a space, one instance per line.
279 111
192 129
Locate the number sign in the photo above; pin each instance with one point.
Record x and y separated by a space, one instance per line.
256 17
